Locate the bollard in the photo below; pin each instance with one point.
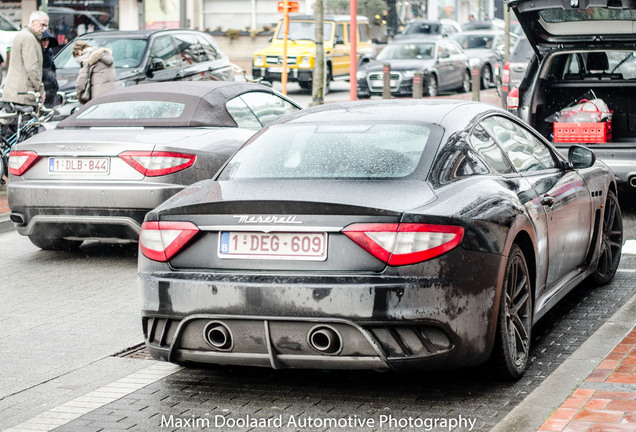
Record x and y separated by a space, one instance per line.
417 85
386 87
476 75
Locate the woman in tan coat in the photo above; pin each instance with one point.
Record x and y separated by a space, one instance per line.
99 63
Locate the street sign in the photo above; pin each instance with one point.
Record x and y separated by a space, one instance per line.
292 6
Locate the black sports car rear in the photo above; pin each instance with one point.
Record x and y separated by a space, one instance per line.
386 234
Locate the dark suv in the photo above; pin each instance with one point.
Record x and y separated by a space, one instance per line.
585 49
151 56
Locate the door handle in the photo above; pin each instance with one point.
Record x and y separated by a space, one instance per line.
547 200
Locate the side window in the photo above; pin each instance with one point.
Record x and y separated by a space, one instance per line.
486 147
363 31
454 48
526 151
242 114
189 49
339 36
267 107
163 49
211 52
442 50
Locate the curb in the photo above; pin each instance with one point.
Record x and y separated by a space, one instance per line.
533 411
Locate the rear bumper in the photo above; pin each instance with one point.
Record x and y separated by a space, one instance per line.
89 211
377 322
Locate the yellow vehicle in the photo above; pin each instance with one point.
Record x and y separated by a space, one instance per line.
301 50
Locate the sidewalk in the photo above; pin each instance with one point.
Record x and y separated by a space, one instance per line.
606 399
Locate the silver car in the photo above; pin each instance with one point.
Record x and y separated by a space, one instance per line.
98 173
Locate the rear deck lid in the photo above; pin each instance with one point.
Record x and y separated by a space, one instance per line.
594 24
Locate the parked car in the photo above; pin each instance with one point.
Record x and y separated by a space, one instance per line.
515 68
573 63
267 63
8 32
386 234
145 56
97 174
442 62
485 49
425 27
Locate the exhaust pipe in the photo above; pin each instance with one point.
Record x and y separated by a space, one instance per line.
324 340
17 218
632 181
218 336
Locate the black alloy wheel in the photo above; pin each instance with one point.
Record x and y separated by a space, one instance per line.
611 241
486 77
431 89
466 82
514 326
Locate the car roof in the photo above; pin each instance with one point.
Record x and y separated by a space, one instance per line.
437 111
419 38
475 32
337 18
133 34
204 103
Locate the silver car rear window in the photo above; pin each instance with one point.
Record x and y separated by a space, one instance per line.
133 110
357 150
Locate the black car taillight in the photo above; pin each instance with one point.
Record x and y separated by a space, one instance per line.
161 240
21 161
153 164
399 244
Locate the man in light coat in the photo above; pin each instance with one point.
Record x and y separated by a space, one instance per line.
25 63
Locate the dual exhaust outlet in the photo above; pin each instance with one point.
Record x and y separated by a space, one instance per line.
321 338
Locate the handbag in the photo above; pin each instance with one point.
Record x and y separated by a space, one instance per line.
85 96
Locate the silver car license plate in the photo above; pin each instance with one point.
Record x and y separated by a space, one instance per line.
79 165
274 246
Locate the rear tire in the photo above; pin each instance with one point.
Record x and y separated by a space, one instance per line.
432 88
466 82
486 77
54 243
611 242
514 325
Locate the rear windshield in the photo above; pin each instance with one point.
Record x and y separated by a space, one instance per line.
423 28
590 14
128 53
133 110
355 150
475 41
405 51
305 30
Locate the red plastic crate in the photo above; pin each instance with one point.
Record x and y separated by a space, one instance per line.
582 132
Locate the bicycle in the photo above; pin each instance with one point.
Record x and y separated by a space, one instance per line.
19 122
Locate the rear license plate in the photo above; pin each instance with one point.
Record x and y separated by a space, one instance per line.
274 246
79 165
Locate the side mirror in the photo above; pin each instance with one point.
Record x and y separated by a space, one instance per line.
581 157
443 55
157 64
